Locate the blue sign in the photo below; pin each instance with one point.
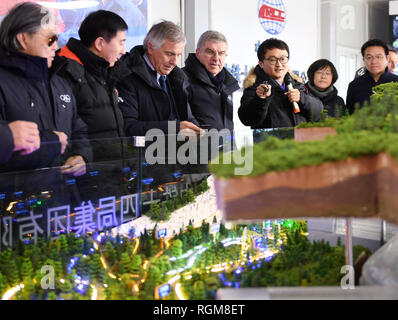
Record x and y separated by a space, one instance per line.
272 15
164 290
162 233
258 242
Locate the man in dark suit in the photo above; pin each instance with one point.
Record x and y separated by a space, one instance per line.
154 95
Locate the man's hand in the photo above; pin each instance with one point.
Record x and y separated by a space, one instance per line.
188 128
63 139
263 91
26 136
75 166
293 95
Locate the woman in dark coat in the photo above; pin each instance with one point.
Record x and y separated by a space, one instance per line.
322 75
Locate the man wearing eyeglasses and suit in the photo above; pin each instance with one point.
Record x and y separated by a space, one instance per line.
267 101
374 53
211 85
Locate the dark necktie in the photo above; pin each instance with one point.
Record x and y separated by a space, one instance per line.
162 82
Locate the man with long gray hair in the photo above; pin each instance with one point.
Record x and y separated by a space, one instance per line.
29 92
154 94
211 85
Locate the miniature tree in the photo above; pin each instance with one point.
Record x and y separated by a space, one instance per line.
125 262
95 266
63 243
3 283
29 289
13 273
189 196
118 291
52 296
176 248
136 262
205 229
148 249
26 269
5 258
79 245
199 290
59 270
153 280
66 288
110 253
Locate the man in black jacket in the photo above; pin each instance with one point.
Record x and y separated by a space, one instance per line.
92 69
154 95
29 92
211 85
374 53
266 100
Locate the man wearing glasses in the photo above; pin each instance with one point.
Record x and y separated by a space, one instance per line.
29 92
267 102
211 85
374 53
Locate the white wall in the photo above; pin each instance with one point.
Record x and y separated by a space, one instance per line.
164 9
238 20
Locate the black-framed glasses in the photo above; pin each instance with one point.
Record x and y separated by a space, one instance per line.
274 60
52 39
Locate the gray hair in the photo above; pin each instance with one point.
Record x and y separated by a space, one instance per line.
26 17
211 35
159 33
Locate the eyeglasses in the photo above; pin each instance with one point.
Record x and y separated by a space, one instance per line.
52 39
378 57
213 53
274 60
323 73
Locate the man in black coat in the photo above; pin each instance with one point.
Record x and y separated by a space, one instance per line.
211 85
154 95
266 100
30 92
92 69
374 53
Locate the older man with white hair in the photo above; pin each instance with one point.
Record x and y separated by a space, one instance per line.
154 95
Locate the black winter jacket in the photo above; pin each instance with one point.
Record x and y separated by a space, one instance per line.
361 88
30 92
210 105
275 111
93 83
331 102
144 104
6 142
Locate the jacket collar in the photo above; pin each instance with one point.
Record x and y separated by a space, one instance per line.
262 76
77 52
369 76
198 70
30 66
94 64
329 92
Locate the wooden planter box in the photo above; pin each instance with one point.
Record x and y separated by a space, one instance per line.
312 134
362 187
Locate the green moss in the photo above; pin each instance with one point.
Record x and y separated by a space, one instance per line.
369 131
